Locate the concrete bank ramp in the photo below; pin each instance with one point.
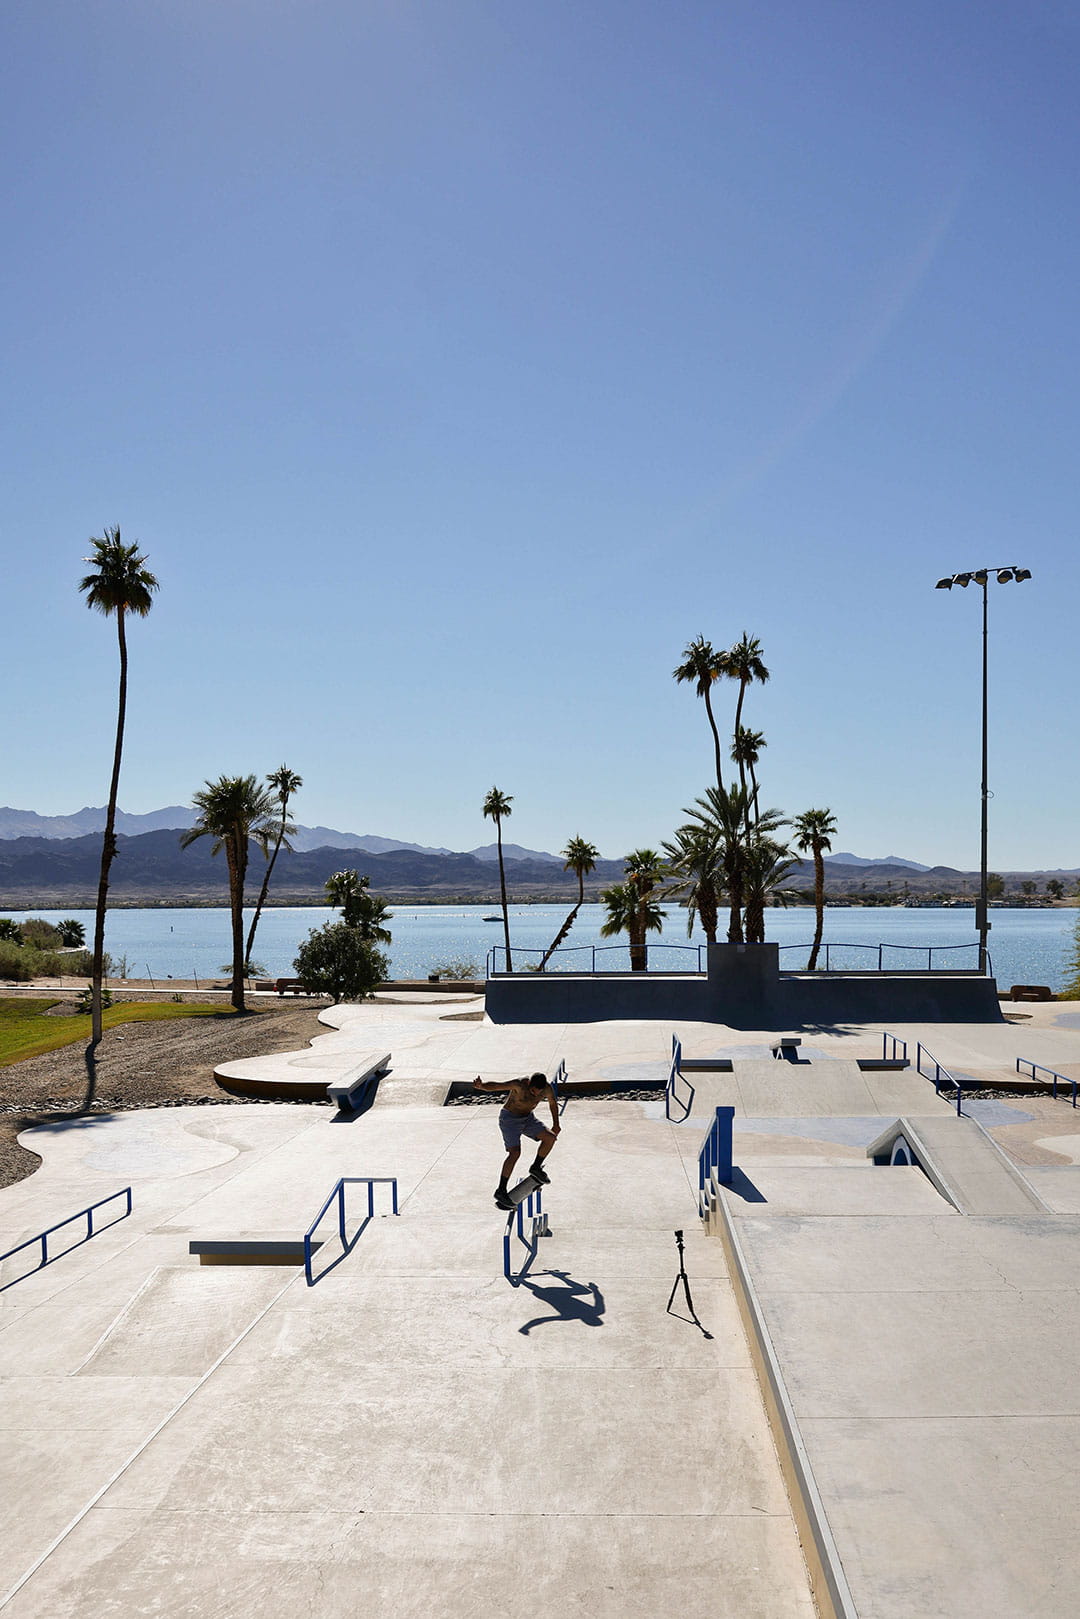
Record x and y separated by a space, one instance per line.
763 1088
963 1162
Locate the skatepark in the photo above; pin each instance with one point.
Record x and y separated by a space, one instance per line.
864 1409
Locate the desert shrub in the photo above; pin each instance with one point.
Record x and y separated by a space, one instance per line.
334 960
40 935
458 969
14 964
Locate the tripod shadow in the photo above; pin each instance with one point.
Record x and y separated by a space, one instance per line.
572 1301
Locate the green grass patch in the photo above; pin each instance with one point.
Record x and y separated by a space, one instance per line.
25 1031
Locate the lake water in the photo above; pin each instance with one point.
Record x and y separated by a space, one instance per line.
1026 946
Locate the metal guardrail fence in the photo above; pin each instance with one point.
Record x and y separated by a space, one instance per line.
597 959
877 957
940 1076
675 1073
370 1181
1037 1068
715 1154
667 958
43 1236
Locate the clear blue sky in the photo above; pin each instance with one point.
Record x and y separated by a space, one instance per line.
455 364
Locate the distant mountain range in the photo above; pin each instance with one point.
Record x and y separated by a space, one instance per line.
16 823
55 865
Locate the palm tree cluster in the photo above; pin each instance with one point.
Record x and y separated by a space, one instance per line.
360 908
730 848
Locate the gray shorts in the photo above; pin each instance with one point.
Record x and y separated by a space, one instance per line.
516 1125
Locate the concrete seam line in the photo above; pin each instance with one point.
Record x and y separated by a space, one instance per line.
807 1505
124 1310
137 1452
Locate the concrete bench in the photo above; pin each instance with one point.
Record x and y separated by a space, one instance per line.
1031 992
250 1250
289 986
351 1089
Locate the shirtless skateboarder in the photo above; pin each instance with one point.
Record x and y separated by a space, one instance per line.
517 1119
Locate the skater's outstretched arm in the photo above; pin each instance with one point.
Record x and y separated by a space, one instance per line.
492 1084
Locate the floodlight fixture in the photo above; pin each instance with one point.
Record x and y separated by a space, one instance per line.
962 579
944 584
1019 574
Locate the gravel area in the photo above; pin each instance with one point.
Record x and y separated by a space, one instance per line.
168 1064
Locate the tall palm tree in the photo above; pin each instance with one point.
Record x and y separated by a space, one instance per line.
579 857
633 905
235 811
284 782
121 584
814 830
703 665
497 808
695 863
743 663
746 750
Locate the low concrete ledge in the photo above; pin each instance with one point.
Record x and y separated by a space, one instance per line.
250 1250
832 1594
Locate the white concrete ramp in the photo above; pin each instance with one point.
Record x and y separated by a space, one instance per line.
963 1162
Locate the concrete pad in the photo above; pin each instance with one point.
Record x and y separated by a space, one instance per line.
301 1441
411 1566
857 1190
180 1321
959 1524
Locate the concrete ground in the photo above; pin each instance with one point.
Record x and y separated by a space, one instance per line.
413 1435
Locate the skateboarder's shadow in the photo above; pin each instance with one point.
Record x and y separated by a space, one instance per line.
571 1301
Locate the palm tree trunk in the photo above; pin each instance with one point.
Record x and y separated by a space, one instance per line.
567 925
738 727
735 899
716 740
502 889
108 850
707 910
237 871
819 907
266 882
639 953
754 792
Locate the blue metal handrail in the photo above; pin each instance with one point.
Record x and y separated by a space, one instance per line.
531 1208
890 1045
930 949
716 1154
1037 1068
370 1181
593 950
941 1075
674 1073
43 1237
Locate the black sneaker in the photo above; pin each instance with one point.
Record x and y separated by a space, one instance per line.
538 1173
503 1201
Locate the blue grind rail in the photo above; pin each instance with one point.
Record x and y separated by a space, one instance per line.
893 1049
43 1237
675 1073
530 1208
1037 1068
370 1181
715 1154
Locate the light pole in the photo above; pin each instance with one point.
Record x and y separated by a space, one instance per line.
981 576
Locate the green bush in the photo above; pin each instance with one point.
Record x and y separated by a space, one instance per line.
86 998
334 960
40 935
14 963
